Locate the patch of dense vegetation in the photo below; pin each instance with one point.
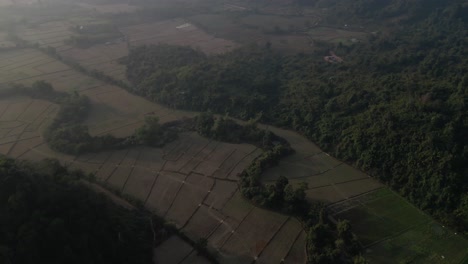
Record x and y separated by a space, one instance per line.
67 134
242 83
396 108
48 216
380 11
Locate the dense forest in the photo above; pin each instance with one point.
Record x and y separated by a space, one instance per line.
48 215
396 107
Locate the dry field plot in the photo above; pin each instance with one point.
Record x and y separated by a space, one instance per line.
26 66
109 8
47 34
100 57
21 123
176 32
4 42
280 247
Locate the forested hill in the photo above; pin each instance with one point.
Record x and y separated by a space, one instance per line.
48 216
397 107
379 11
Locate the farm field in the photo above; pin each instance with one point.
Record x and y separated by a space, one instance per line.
113 110
201 205
389 228
175 250
51 33
176 32
102 57
109 8
4 42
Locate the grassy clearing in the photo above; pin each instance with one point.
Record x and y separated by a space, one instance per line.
382 217
429 243
396 232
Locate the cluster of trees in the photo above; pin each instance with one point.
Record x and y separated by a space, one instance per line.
332 243
396 108
378 10
226 129
152 134
47 215
242 83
